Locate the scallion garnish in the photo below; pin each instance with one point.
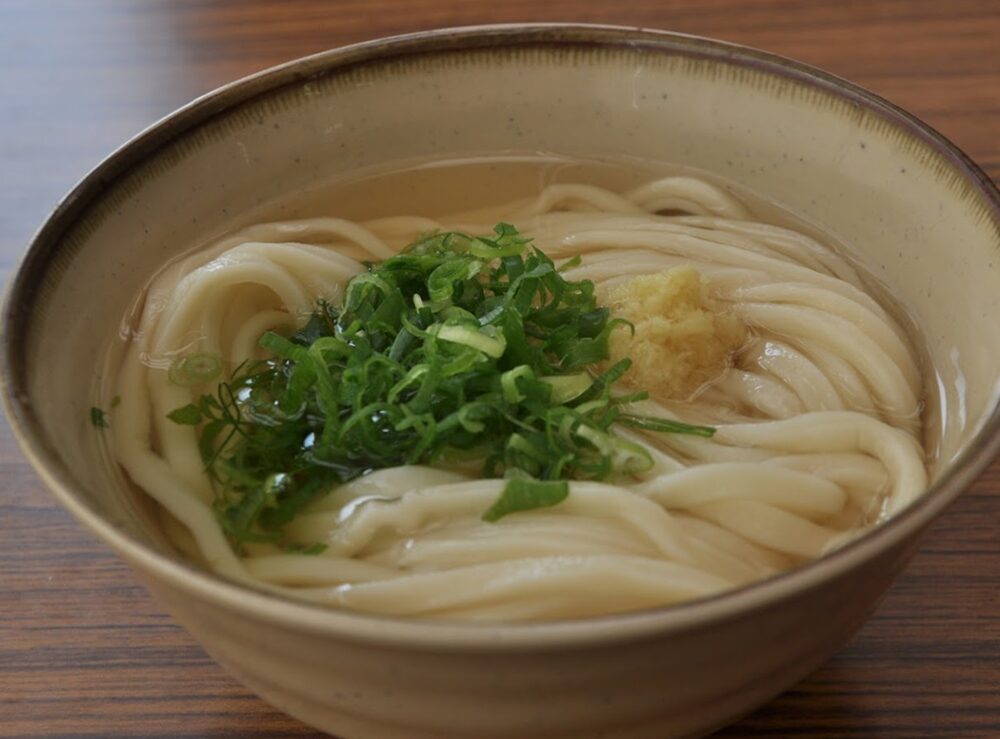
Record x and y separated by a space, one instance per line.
460 346
527 495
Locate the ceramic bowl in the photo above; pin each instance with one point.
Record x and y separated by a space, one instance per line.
907 202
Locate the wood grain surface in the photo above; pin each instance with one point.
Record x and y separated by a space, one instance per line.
84 651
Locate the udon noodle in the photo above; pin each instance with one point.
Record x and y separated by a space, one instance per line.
818 420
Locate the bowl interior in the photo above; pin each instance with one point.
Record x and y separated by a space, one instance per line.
905 205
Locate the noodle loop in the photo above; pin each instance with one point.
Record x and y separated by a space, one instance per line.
817 416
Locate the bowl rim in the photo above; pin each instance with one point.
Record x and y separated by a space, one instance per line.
437 634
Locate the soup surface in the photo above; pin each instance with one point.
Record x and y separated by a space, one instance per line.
517 389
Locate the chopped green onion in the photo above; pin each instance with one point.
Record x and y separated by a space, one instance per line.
459 348
492 346
665 425
508 383
305 549
527 495
568 387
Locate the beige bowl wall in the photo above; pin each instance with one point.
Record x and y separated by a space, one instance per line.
910 208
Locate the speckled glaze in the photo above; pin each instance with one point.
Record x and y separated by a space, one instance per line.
913 208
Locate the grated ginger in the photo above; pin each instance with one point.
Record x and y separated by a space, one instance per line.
683 339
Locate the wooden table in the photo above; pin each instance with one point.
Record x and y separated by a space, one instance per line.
85 651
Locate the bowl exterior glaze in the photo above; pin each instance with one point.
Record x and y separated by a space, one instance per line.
909 206
654 686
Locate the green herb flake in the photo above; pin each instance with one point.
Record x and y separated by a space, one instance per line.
98 418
